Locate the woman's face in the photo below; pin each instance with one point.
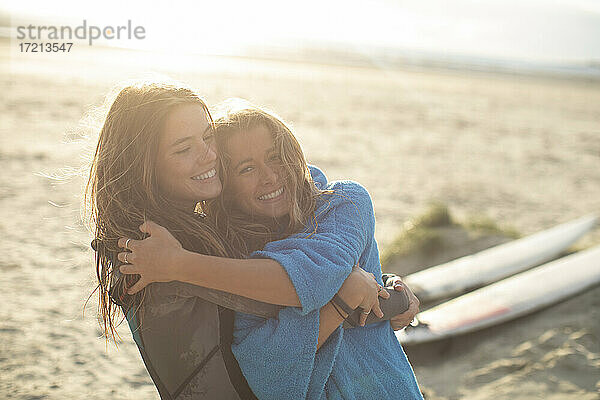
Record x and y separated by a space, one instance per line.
256 175
186 158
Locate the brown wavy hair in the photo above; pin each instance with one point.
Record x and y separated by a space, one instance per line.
122 191
245 234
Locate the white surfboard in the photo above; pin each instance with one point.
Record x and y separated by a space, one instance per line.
470 272
507 299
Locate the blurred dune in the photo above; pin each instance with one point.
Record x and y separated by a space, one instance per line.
522 150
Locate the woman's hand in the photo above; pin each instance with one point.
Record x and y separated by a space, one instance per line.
151 258
361 290
401 321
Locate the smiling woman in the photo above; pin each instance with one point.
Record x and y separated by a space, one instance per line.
257 174
128 180
267 188
186 159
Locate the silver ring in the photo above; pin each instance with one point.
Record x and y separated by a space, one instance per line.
126 243
366 312
126 262
379 288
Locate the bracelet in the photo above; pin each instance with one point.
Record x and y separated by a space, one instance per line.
337 300
338 311
350 319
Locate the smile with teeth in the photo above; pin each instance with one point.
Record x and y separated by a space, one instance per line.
206 175
271 195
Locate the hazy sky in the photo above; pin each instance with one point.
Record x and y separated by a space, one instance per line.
526 30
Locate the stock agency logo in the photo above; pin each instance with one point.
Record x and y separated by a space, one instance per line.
83 32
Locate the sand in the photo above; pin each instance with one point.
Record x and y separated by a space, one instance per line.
524 151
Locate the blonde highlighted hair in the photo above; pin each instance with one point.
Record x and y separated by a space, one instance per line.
244 233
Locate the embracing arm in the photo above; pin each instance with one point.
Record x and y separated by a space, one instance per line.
259 279
304 272
161 258
265 280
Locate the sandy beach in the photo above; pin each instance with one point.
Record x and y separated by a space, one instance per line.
523 151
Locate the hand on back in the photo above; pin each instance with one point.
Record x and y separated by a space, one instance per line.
151 258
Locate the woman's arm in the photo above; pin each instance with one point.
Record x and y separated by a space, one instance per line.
297 271
288 356
160 258
260 279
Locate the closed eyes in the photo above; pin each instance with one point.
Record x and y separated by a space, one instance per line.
182 150
207 138
246 169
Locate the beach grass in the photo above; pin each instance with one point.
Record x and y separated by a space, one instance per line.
427 234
